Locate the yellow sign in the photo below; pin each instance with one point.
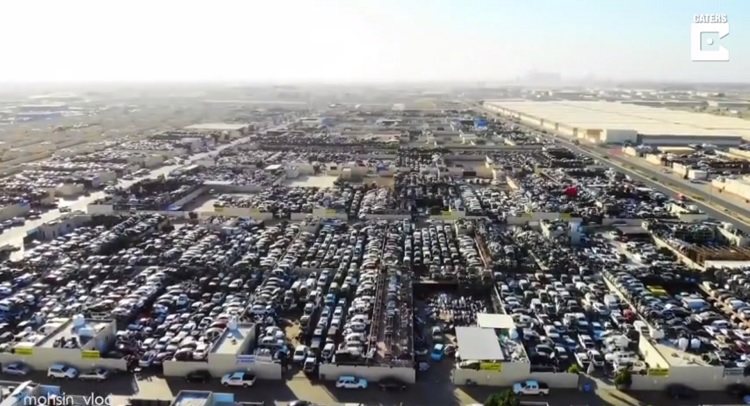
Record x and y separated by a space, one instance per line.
490 366
330 212
565 216
446 213
658 372
254 211
24 351
90 354
218 209
526 215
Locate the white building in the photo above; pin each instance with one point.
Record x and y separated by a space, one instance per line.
234 130
609 123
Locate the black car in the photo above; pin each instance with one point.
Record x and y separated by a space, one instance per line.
678 391
392 384
737 389
199 376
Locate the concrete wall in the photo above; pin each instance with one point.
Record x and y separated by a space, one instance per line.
654 159
630 222
388 216
329 213
512 372
190 197
611 136
630 151
680 169
13 210
651 355
332 372
740 153
536 216
226 188
100 209
237 212
699 377
219 367
42 358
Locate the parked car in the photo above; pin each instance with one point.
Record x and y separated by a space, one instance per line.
199 376
62 371
300 354
243 379
97 374
531 387
351 382
16 369
392 384
678 391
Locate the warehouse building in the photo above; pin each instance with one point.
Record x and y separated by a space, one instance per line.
617 123
234 130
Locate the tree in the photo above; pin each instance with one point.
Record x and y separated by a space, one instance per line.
504 398
623 379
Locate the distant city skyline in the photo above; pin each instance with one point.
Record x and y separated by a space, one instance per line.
340 41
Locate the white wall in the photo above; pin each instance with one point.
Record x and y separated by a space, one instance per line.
611 136
219 367
13 210
332 372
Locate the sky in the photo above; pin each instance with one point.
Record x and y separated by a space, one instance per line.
285 41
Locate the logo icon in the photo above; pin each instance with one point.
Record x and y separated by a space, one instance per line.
706 31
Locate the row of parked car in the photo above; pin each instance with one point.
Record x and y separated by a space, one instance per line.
59 371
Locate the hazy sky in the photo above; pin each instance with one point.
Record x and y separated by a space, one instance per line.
356 40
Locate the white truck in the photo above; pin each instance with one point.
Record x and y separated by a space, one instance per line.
531 388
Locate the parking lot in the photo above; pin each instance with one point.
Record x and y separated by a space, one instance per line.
582 264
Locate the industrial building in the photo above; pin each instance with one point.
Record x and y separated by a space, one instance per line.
616 123
234 130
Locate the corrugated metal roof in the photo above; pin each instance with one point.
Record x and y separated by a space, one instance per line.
478 344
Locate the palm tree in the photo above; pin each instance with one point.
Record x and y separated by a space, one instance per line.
504 398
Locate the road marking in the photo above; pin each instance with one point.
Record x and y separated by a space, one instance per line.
627 168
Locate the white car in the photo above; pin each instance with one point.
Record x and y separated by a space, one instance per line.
244 379
351 382
62 371
16 368
300 353
98 374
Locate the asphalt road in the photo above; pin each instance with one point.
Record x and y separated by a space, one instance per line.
719 209
713 204
279 393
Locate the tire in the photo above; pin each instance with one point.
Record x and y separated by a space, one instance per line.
244 385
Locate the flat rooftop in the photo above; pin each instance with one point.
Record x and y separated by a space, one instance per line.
478 344
67 330
676 357
644 119
232 342
320 181
216 127
191 398
495 321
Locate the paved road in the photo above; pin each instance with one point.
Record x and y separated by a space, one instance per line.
709 203
425 392
714 205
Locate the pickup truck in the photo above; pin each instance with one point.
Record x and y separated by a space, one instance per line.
531 387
